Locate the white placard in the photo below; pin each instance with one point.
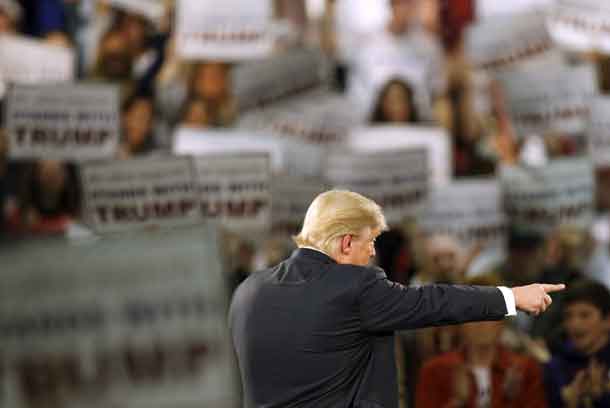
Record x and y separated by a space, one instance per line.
235 189
27 61
63 122
291 197
388 138
316 118
541 199
522 37
151 9
355 21
491 8
581 25
227 30
396 180
129 321
139 193
551 99
598 131
260 83
469 210
416 59
287 156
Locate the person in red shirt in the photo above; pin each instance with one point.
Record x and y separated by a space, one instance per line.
481 373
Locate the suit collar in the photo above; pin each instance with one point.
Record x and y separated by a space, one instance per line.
312 255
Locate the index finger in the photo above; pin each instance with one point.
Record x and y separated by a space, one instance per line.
548 288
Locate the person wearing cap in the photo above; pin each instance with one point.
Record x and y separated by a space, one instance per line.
317 330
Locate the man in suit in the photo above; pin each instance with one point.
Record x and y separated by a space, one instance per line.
317 330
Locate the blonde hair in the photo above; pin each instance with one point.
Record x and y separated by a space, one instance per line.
336 213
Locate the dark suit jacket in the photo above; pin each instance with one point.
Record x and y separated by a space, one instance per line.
313 333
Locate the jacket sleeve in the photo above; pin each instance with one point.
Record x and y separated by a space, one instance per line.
385 305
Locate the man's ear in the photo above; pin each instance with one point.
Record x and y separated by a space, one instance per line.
346 244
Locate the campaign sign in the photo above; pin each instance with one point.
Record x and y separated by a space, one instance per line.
263 82
226 30
470 210
396 180
136 320
523 37
540 199
435 140
291 197
235 189
28 61
598 131
581 25
63 122
139 193
554 99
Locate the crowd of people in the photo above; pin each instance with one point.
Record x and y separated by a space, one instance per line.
560 359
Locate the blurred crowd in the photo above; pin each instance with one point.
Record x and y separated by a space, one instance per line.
559 359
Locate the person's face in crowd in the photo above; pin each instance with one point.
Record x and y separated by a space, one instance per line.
7 25
52 176
135 31
116 60
603 189
526 264
402 14
444 264
58 38
575 247
481 334
585 326
429 15
358 249
137 122
211 81
397 104
197 114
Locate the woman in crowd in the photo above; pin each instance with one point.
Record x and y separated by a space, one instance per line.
395 104
138 126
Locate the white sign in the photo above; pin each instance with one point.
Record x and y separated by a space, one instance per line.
260 83
291 197
541 199
598 132
130 321
469 210
355 21
137 193
396 180
287 156
63 122
236 190
551 99
581 25
316 118
28 61
390 138
491 8
522 37
228 30
385 58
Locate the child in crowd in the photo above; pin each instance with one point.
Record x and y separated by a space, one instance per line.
577 375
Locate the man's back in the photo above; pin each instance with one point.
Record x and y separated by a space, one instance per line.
313 333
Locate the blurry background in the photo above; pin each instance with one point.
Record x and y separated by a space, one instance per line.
153 153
